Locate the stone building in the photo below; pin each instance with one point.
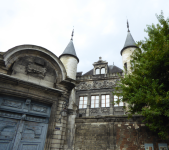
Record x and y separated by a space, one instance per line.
46 104
101 124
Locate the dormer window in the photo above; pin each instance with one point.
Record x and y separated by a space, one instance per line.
103 71
97 71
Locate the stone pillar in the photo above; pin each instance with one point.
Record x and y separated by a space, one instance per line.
72 108
88 105
111 103
70 130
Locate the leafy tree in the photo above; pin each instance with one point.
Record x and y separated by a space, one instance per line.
146 89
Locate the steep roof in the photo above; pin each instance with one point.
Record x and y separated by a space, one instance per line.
111 69
129 42
70 50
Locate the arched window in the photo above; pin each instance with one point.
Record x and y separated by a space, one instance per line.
103 71
97 71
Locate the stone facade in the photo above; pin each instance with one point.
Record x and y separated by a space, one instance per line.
34 74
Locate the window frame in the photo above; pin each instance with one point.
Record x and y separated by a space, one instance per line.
149 145
117 105
83 102
162 144
105 100
95 101
104 70
97 69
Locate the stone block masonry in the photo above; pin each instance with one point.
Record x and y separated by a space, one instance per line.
114 133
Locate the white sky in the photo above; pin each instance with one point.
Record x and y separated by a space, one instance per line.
100 25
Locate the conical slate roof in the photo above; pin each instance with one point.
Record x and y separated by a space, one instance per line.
129 42
70 50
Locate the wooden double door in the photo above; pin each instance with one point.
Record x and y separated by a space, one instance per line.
23 124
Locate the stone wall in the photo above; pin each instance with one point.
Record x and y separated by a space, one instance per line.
113 133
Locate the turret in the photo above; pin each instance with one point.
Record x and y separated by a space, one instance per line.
70 59
127 50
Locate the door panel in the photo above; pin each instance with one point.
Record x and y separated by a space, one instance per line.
33 136
29 146
8 128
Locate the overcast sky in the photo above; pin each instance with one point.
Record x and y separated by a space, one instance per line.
100 25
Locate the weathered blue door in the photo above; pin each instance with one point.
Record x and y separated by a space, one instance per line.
23 124
8 128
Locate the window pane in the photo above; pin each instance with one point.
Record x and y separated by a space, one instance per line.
97 71
121 104
93 97
92 101
85 98
97 97
80 106
81 98
107 96
103 101
103 96
107 105
115 98
85 102
96 105
81 102
84 106
103 71
103 105
107 100
97 101
92 105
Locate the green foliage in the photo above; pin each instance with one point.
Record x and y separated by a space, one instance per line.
146 89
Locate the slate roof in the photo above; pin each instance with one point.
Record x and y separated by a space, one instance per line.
111 69
129 42
70 50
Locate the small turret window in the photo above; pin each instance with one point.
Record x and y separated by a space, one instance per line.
97 71
125 66
103 71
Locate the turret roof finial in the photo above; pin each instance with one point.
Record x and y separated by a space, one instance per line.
128 26
72 34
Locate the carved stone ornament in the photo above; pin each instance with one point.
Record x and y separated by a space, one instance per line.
93 110
38 108
105 110
11 103
82 111
36 69
119 109
96 85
